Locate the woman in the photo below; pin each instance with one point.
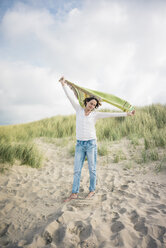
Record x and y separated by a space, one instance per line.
86 139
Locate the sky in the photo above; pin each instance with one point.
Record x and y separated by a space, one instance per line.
114 46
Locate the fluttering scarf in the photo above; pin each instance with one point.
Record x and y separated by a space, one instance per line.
82 93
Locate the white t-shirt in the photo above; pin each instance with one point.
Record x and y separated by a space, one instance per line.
85 125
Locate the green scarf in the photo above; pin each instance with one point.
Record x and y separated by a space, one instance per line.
82 93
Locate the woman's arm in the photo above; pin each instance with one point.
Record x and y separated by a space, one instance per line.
74 104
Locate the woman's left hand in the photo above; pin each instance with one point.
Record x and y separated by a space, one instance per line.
62 81
131 113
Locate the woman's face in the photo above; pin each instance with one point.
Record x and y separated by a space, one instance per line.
91 104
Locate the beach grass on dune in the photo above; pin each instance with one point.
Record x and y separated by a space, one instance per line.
149 123
26 153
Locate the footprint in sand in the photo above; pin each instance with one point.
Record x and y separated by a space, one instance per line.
130 181
139 223
117 227
161 206
47 237
122 210
149 242
115 216
59 234
104 197
152 211
159 232
134 217
84 230
125 186
141 199
3 229
129 195
117 240
140 226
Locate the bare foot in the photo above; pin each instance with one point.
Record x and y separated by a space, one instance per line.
90 195
71 197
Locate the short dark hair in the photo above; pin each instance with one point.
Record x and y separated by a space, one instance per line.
88 99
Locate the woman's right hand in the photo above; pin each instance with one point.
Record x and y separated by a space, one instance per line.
62 80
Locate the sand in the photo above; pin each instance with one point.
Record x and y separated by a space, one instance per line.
128 209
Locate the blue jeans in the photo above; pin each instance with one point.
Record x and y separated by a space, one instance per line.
85 148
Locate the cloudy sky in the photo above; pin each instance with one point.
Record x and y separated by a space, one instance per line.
114 46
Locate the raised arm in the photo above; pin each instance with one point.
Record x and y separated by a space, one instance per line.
73 103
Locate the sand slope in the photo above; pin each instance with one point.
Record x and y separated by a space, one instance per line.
128 210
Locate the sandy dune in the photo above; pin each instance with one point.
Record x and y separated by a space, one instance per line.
128 210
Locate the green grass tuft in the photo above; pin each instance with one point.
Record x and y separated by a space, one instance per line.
25 153
103 149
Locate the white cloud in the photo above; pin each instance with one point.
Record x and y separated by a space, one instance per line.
29 93
25 22
112 46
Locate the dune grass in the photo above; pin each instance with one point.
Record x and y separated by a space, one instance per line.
103 148
149 123
25 153
119 156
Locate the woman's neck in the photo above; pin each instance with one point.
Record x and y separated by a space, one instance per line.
87 111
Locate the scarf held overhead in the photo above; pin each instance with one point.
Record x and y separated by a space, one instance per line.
82 93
